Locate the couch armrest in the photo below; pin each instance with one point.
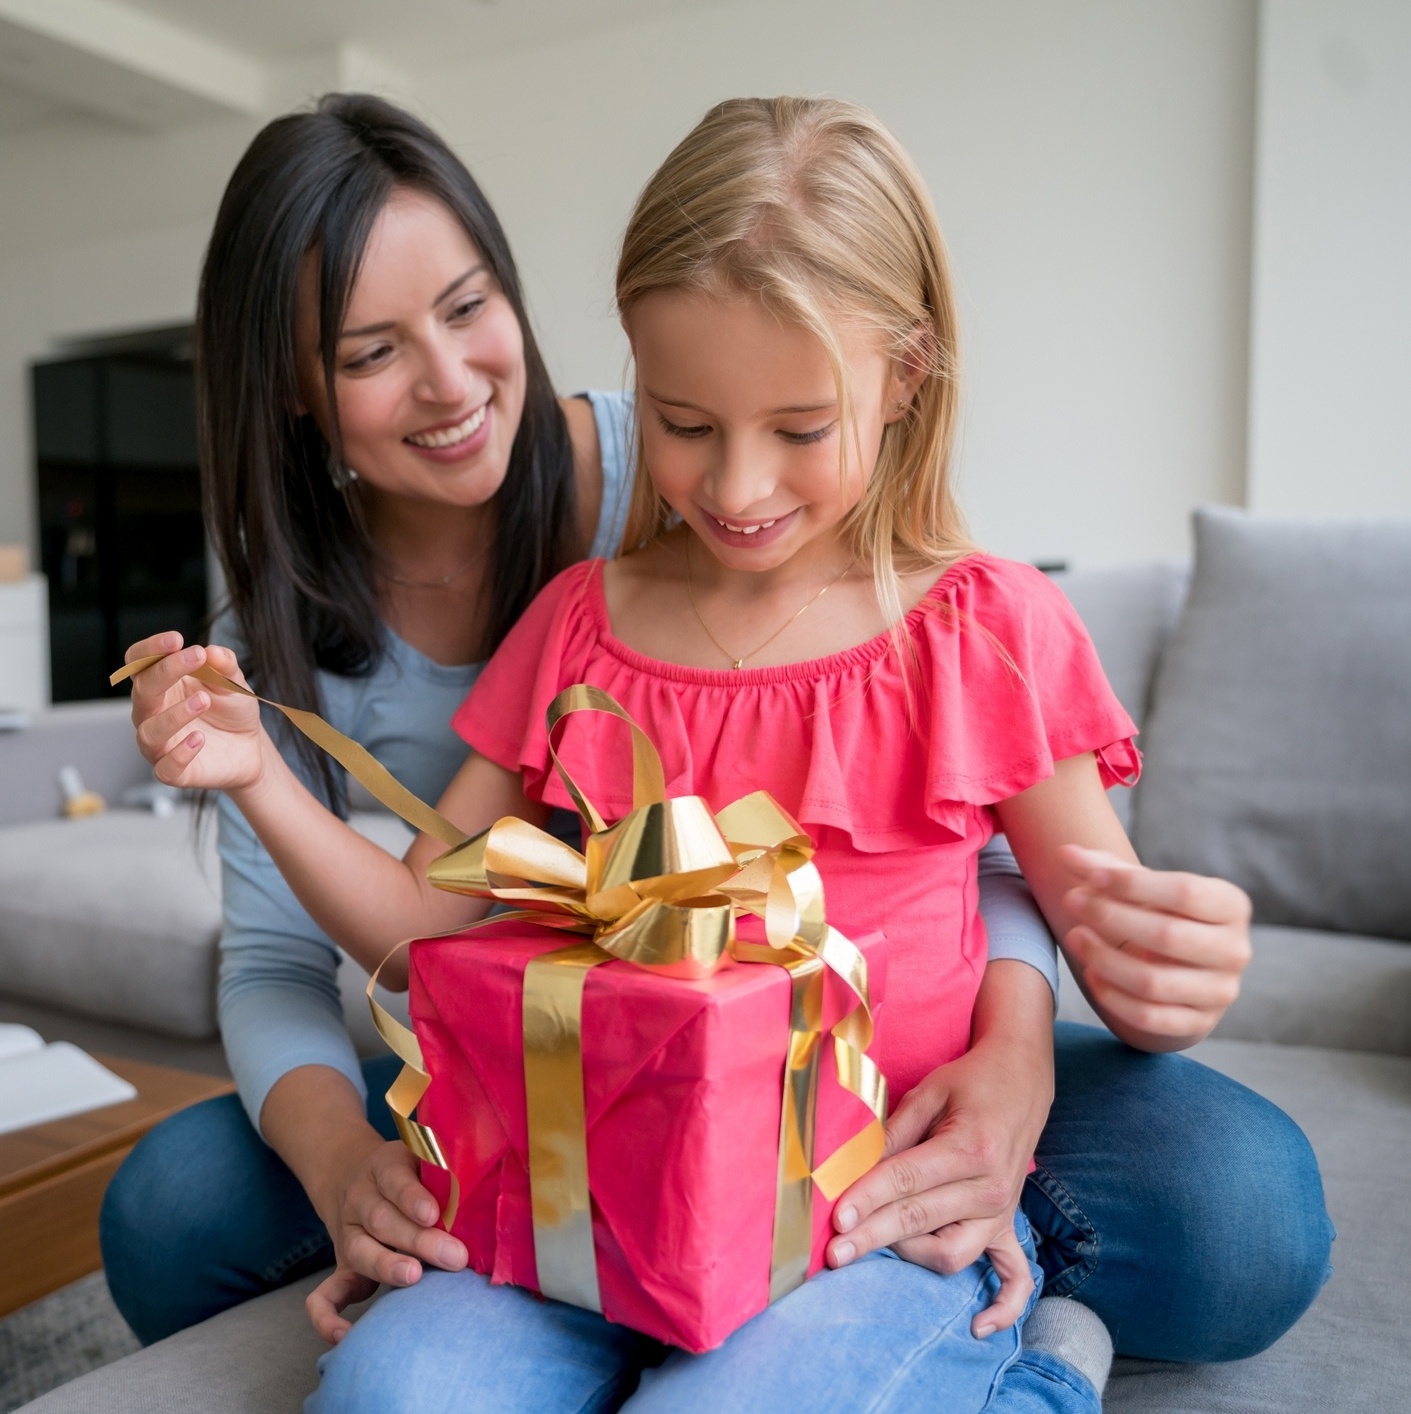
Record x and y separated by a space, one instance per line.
96 737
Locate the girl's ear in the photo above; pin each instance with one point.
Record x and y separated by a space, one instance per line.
910 369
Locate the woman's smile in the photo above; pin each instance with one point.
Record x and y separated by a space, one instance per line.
454 441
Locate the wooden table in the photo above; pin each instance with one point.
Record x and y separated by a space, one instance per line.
53 1176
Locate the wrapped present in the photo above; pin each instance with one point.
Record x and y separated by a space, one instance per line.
675 1136
650 1110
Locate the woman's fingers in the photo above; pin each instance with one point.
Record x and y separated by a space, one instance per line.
1016 1286
326 1301
915 1215
364 1253
950 1250
395 1172
151 686
171 767
1154 1018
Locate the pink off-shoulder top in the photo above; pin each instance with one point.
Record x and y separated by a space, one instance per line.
899 798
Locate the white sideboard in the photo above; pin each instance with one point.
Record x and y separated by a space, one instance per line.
24 643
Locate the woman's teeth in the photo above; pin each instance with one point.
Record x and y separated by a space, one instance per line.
747 529
449 436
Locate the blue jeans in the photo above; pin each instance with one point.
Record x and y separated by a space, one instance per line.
1186 1210
881 1335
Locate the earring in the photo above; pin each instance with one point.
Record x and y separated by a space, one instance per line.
340 475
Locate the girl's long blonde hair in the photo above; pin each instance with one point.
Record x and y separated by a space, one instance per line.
814 207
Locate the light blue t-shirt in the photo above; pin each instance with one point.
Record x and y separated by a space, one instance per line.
279 1002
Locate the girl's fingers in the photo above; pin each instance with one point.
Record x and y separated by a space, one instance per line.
167 642
170 768
1016 1286
1193 896
150 687
1155 1018
156 732
1180 939
1168 984
326 1301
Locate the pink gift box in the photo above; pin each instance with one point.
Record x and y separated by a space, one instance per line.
683 1092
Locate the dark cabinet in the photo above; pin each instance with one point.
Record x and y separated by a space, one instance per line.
119 509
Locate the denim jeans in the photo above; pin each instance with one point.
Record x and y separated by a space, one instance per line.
880 1335
1186 1210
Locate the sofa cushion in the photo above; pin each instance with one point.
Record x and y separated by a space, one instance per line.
1278 748
115 916
1346 1356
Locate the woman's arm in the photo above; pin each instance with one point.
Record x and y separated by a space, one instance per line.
1158 954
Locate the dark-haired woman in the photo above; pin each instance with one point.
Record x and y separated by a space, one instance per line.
390 479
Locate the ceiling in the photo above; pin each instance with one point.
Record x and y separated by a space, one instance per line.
93 60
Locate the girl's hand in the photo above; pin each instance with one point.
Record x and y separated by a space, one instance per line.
227 748
958 1147
383 1229
1160 954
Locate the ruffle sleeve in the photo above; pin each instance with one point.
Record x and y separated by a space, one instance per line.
1015 686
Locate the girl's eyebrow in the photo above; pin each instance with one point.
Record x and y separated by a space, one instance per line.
388 324
775 412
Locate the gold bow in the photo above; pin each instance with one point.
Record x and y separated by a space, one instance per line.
661 889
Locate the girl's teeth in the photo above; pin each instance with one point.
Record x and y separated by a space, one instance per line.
749 529
449 436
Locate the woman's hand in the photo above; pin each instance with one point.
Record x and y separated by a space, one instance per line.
195 737
1159 954
958 1148
383 1227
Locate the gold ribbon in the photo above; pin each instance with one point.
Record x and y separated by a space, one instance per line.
662 889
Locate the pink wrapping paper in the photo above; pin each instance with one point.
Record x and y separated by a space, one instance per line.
683 1084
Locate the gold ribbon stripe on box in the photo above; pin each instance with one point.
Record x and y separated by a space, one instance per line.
661 889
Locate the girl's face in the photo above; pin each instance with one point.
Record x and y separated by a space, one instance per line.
740 427
430 373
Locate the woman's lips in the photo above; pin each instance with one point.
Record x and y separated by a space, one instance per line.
749 538
454 444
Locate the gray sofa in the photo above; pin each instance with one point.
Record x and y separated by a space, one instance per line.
1275 701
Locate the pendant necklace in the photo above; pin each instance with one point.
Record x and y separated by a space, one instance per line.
738 663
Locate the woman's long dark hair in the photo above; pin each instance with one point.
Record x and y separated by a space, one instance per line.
297 559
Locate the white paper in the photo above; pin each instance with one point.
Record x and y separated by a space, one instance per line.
53 1083
15 1040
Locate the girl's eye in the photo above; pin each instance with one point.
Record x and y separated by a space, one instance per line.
803 439
675 430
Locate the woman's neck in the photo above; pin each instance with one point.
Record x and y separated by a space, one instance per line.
432 566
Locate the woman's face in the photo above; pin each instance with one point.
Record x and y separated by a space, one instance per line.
429 373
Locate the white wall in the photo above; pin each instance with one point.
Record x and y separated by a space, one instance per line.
1091 162
1330 394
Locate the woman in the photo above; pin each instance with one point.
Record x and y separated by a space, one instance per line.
360 310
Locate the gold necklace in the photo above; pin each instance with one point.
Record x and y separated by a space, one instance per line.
444 582
738 663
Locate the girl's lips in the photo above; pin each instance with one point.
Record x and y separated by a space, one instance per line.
460 451
755 539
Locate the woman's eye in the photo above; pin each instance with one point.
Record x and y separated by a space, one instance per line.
467 307
674 429
368 359
803 439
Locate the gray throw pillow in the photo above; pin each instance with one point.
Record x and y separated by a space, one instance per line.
1278 745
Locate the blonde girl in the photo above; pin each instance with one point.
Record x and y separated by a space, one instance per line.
799 608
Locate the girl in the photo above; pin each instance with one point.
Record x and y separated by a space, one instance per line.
785 292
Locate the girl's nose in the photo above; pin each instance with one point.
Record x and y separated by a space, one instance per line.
742 479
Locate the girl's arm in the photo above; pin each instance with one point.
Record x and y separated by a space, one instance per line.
1158 954
361 896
